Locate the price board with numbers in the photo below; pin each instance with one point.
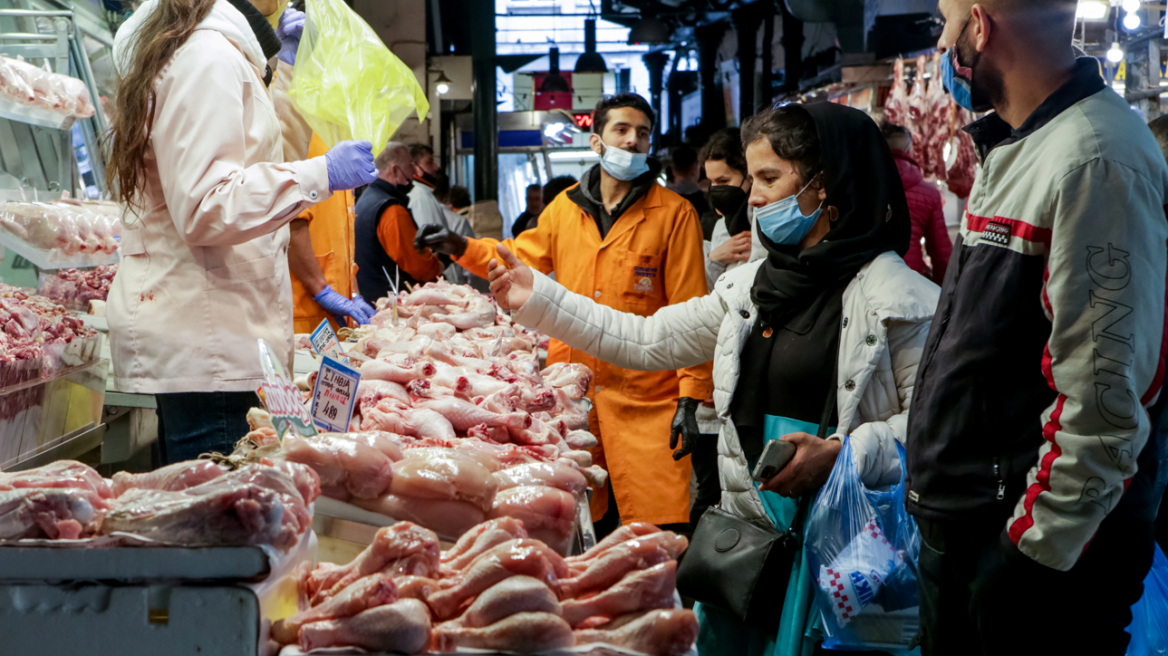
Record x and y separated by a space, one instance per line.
281 397
334 396
325 342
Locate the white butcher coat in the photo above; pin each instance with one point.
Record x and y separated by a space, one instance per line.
204 269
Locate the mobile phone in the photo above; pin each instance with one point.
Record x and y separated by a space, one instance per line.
775 456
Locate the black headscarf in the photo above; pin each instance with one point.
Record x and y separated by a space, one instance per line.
864 185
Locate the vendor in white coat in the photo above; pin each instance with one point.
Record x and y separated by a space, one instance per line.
832 215
197 156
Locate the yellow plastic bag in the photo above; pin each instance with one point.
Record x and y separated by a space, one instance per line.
346 83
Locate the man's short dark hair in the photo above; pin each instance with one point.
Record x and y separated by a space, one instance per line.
459 197
683 159
725 146
555 186
534 186
420 150
600 116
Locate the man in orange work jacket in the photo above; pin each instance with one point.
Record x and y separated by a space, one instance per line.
320 258
635 246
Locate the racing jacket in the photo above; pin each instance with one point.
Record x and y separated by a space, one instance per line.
1048 341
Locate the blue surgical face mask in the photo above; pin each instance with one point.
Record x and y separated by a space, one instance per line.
623 165
783 222
960 88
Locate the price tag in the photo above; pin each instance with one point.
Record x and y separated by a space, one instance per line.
281 397
325 342
334 395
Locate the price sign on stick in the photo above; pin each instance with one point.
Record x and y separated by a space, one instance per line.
325 342
334 396
281 397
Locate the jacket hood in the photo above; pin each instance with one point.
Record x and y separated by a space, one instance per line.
224 18
910 171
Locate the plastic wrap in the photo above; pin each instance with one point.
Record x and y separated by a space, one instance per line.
25 84
348 85
74 289
1149 627
64 228
862 547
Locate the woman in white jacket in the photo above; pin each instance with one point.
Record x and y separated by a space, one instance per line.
832 215
196 154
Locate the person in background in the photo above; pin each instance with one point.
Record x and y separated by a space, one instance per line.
385 229
833 288
732 242
428 210
204 243
556 186
530 216
686 177
320 258
1032 464
925 206
633 245
1159 127
458 200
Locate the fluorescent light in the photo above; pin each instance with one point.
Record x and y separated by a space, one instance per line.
1130 5
1131 21
1115 55
572 154
1093 10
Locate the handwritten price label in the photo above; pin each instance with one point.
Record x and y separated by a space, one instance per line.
281 397
325 341
334 396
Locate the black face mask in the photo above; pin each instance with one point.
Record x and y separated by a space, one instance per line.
430 178
407 187
727 199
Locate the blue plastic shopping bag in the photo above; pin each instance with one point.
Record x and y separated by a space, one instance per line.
1149 627
862 547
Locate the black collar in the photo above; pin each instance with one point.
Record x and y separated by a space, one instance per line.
393 190
260 26
992 131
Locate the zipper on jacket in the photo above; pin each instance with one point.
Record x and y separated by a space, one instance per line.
1001 479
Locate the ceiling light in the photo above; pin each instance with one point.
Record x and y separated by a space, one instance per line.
649 30
1115 54
1130 5
554 82
442 84
1131 22
1093 10
590 61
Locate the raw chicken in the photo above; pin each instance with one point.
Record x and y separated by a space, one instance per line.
369 592
395 417
415 587
345 467
518 594
581 440
382 369
647 589
656 633
480 539
525 633
370 391
513 558
606 570
179 476
548 514
464 415
402 627
59 474
573 379
547 474
445 517
386 443
305 478
55 513
432 475
622 534
402 549
481 458
226 511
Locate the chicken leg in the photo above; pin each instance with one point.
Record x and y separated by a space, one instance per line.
514 558
622 534
518 594
611 567
645 590
369 592
391 544
524 633
483 537
656 633
402 627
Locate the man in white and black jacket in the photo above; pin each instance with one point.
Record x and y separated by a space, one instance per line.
1030 468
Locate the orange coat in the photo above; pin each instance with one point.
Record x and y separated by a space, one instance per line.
330 224
652 257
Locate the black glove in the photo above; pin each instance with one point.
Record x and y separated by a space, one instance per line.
685 426
440 240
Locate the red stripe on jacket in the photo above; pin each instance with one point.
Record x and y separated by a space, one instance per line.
1017 228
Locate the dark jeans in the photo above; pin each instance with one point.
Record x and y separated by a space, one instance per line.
193 423
705 467
980 596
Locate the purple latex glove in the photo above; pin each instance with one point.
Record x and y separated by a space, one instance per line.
350 165
339 306
363 309
289 31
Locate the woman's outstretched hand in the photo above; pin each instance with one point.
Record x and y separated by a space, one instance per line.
511 281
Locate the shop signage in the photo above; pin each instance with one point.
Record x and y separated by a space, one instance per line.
281 397
325 342
583 120
334 396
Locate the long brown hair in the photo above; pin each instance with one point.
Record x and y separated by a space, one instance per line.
164 31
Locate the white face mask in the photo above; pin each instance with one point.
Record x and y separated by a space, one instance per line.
623 165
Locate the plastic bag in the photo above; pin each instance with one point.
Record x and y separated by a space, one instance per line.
1149 627
346 83
862 547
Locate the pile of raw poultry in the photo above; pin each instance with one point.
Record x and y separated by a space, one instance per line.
458 423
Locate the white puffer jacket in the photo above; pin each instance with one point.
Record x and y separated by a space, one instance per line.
887 312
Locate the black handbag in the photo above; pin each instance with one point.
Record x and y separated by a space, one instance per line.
741 567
